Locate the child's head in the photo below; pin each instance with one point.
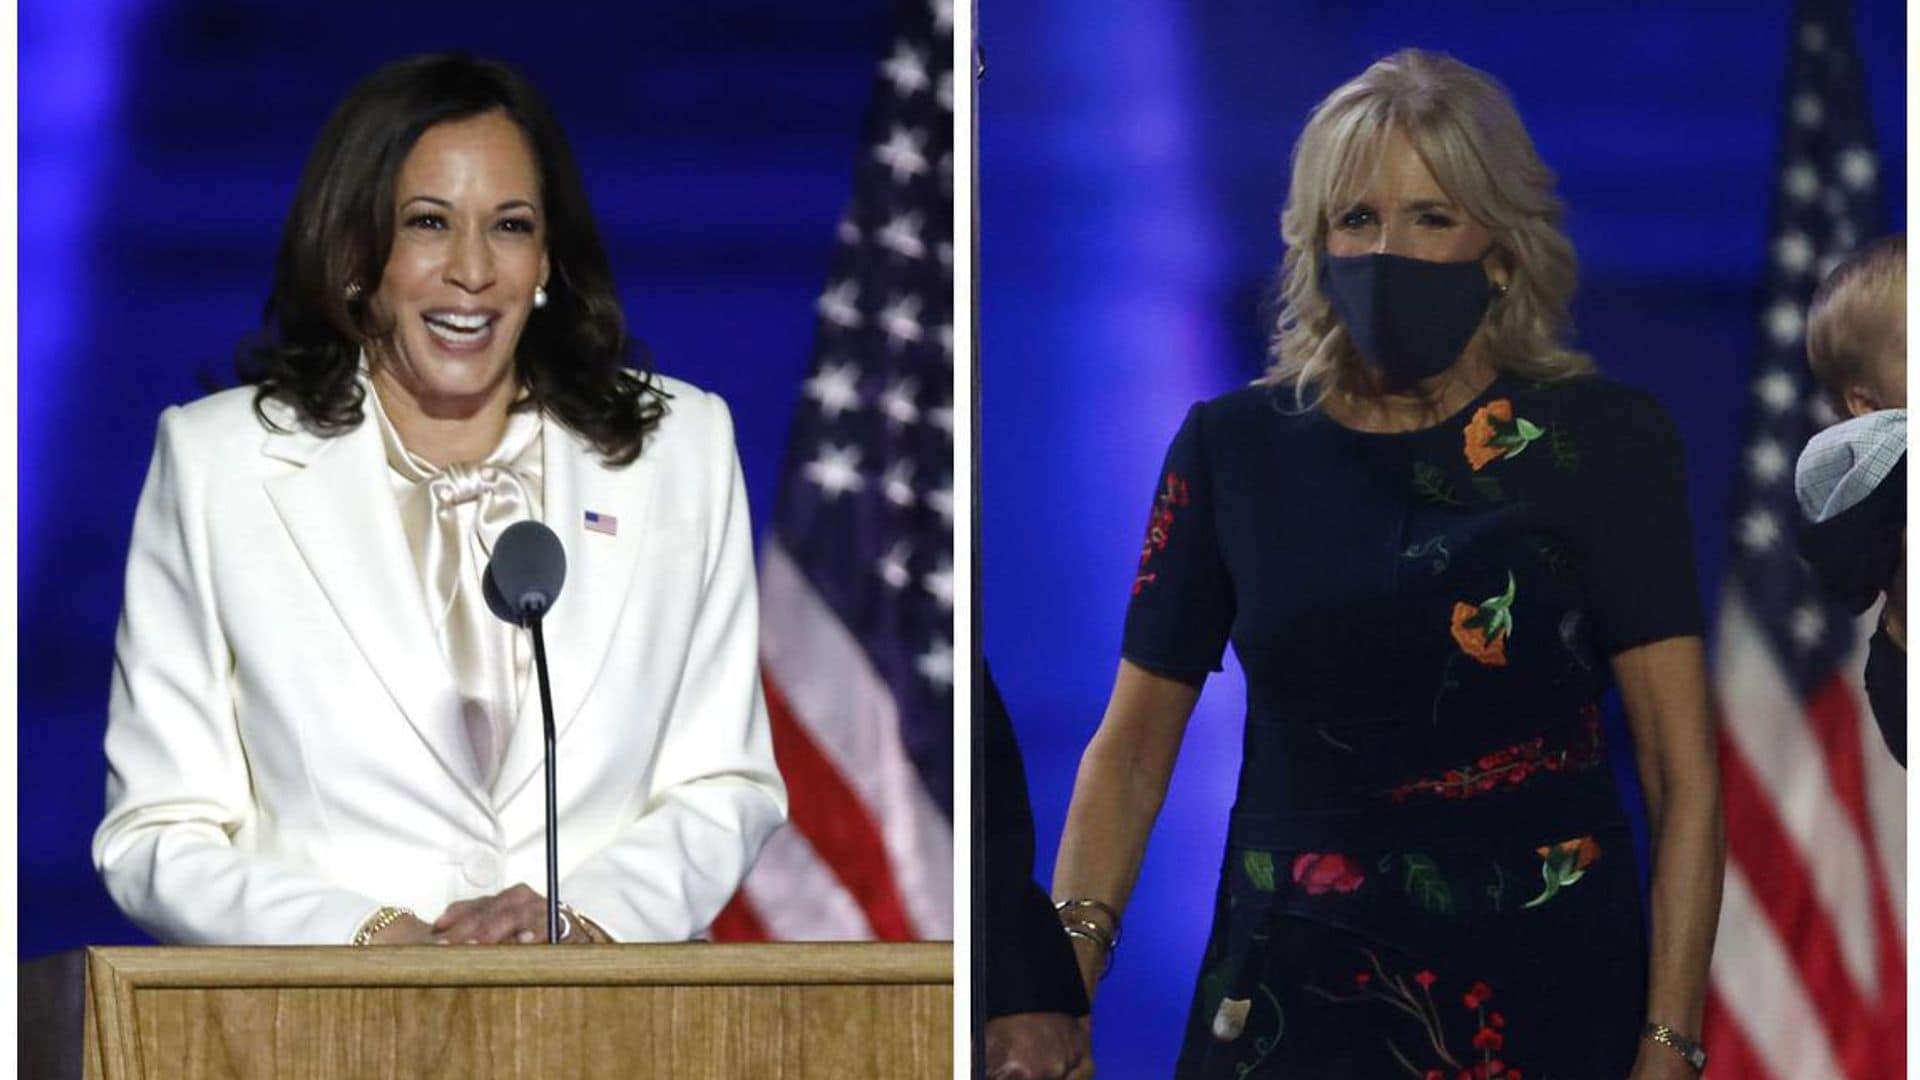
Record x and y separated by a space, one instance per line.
1857 329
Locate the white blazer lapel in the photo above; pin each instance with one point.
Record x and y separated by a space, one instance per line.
342 516
600 567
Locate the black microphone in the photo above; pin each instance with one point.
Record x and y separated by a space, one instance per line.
523 580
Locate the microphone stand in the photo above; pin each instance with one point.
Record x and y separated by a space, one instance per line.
533 619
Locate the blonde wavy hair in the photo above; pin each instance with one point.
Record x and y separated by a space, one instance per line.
1465 129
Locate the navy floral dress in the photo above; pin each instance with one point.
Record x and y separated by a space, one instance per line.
1427 871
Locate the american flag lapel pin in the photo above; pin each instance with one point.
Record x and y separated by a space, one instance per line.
603 523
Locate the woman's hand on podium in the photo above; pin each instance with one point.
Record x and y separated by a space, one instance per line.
516 915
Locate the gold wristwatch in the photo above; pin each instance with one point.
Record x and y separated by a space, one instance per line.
1690 1049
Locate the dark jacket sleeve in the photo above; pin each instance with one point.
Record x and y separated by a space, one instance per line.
1029 960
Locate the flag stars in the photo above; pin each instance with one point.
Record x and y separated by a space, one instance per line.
943 90
1766 462
1759 530
1857 168
944 335
943 16
840 304
897 484
941 502
1794 252
893 566
906 69
901 235
1807 111
901 321
1806 625
936 665
941 417
1784 323
1802 182
896 402
835 388
836 471
939 584
1777 391
1822 412
904 154
1813 37
847 231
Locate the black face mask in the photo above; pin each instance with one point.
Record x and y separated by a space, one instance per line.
1410 318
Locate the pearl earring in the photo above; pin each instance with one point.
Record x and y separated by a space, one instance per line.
539 296
353 291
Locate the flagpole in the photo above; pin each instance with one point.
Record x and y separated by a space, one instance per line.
978 1011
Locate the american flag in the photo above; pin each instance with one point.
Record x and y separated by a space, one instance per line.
856 577
1809 972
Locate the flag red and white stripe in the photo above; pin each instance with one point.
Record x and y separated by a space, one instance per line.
856 575
1809 971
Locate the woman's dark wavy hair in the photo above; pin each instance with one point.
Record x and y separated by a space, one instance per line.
574 358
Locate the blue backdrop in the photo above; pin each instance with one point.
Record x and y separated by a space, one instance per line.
1133 162
159 148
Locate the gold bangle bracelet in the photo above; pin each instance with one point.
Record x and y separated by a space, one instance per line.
377 922
1106 947
1689 1049
1101 906
1091 931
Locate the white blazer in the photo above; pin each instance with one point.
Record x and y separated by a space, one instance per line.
284 742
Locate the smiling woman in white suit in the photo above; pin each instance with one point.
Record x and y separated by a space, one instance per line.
317 732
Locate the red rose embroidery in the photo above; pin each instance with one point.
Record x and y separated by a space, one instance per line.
1318 874
1173 494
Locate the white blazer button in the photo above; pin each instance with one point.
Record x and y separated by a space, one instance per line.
481 867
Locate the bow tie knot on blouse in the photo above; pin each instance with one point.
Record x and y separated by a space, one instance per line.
452 515
471 505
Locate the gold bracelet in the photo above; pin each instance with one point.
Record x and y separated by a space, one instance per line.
595 933
379 921
1064 906
1689 1049
1092 931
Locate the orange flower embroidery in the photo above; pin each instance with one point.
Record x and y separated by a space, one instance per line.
1582 851
1494 433
1562 864
1481 630
1473 639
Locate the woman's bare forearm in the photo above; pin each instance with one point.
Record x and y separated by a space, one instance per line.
1689 846
1117 793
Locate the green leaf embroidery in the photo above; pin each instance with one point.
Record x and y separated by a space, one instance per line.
1259 868
1431 481
1498 890
1558 871
1565 457
1519 438
1489 489
1425 884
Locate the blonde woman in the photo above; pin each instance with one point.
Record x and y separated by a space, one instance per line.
1434 538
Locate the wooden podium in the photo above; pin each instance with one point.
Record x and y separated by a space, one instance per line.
686 1010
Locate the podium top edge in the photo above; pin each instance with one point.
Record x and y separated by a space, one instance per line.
680 963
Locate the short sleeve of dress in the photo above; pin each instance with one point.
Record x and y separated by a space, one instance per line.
1182 606
1640 580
